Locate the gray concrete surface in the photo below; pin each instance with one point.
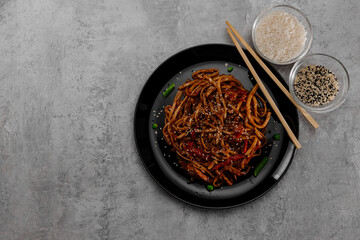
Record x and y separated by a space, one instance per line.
70 75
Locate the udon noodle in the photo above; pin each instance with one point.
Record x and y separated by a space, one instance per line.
216 127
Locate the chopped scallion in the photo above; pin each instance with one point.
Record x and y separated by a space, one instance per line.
154 126
210 187
276 137
260 166
169 90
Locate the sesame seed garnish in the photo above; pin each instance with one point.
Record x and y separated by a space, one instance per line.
315 85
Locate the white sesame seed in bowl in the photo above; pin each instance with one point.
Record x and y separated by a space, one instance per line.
319 83
282 34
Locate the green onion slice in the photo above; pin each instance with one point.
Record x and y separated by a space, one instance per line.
260 166
210 187
169 90
276 137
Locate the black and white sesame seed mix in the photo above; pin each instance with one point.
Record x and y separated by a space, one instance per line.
315 85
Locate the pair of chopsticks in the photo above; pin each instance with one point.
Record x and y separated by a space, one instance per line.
262 87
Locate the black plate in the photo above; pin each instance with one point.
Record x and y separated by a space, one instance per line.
161 163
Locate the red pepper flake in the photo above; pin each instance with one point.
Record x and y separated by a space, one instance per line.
239 132
231 94
242 95
189 146
245 146
228 161
256 148
193 132
237 136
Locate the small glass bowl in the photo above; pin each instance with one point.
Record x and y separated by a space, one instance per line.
331 64
300 16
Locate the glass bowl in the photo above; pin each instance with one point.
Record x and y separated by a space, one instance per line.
300 17
331 64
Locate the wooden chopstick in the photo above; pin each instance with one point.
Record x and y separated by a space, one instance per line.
265 92
272 76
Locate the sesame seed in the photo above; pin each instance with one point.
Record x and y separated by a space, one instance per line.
315 85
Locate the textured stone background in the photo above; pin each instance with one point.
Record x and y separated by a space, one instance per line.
70 75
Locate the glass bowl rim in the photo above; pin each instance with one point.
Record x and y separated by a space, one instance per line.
306 47
326 107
